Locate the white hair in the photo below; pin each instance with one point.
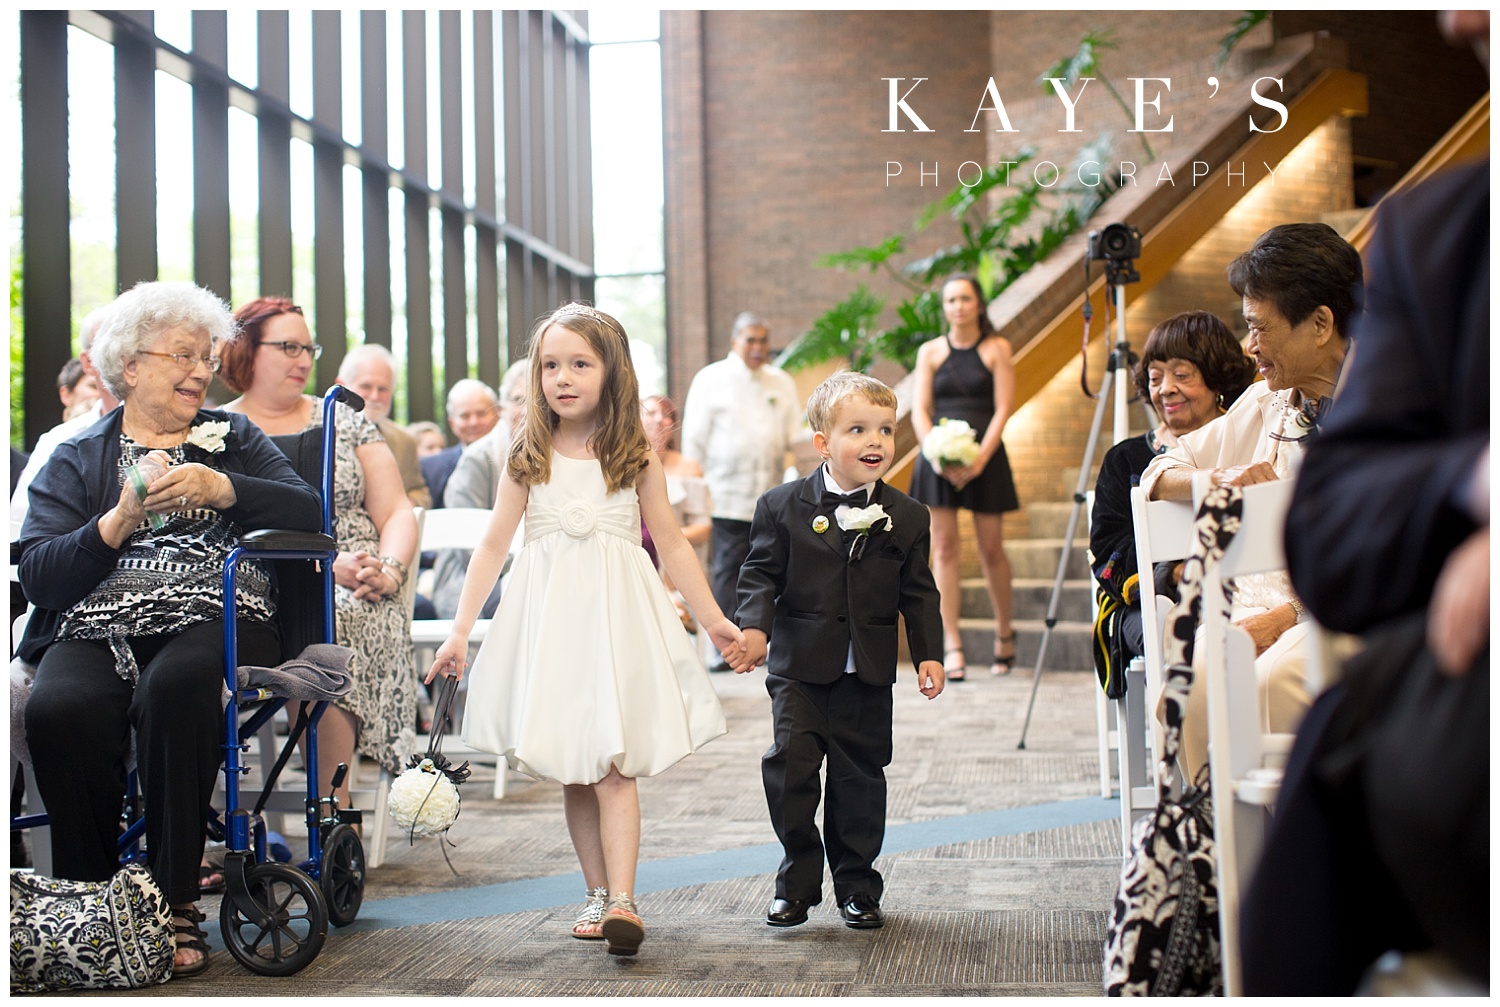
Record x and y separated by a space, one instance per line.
514 373
362 354
747 320
145 311
88 329
469 386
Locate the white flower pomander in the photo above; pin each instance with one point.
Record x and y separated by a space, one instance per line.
423 800
950 442
209 436
577 519
863 519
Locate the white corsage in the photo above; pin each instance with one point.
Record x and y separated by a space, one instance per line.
209 436
423 800
950 442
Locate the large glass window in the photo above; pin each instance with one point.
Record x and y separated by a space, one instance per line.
629 254
243 192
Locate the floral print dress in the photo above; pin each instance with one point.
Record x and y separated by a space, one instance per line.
384 697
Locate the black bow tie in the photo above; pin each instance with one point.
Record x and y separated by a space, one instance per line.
856 499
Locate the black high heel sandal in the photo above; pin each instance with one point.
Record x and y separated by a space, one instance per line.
1001 665
954 672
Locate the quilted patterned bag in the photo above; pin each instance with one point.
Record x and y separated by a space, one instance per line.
1164 932
75 935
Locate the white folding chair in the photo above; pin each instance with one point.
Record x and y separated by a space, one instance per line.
41 836
1163 533
455 528
1243 761
1127 737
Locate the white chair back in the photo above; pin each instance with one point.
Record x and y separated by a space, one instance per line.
456 528
1136 768
1163 534
1244 784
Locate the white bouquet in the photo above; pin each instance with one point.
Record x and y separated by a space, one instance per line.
950 442
424 799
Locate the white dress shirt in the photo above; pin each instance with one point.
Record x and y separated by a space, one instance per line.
831 486
739 424
45 445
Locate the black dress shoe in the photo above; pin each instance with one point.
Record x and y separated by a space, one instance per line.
862 912
787 912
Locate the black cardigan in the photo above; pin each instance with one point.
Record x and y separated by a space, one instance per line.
1112 528
63 556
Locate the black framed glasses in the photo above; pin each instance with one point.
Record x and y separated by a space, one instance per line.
187 361
295 350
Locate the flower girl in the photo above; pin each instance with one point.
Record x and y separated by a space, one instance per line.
586 676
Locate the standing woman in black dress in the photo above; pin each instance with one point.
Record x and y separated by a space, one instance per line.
968 375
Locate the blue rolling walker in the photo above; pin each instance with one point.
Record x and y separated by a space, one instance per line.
274 917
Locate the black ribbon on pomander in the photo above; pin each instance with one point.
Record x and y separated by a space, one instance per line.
447 692
456 775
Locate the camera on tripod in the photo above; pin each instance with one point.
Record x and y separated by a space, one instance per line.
1117 245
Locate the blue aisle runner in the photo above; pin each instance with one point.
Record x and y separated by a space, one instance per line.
701 868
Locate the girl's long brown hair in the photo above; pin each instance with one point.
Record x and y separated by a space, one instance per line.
619 442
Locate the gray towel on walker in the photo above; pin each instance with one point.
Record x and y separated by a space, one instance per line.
321 671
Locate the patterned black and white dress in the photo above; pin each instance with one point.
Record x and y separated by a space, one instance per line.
169 578
384 697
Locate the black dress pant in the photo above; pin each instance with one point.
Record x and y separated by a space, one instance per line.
731 544
78 724
849 722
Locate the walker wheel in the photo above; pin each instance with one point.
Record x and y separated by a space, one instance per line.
342 874
298 921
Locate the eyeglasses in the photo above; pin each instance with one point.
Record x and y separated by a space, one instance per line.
295 350
187 361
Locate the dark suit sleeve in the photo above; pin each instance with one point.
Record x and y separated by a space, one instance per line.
920 600
763 576
1377 507
268 491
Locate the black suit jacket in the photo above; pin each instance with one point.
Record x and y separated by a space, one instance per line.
437 468
812 602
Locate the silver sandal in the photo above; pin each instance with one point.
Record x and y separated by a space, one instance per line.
588 925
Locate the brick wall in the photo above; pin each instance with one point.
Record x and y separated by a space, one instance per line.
1419 86
794 158
1046 439
776 155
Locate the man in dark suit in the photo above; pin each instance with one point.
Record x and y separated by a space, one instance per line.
826 577
1381 834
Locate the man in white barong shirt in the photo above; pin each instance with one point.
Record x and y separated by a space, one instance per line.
741 418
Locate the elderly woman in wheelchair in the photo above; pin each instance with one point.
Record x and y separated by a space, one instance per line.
122 555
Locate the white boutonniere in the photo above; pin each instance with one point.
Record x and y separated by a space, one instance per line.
209 436
862 521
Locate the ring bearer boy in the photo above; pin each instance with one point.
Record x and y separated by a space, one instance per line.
834 558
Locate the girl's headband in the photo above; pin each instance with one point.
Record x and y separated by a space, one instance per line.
587 311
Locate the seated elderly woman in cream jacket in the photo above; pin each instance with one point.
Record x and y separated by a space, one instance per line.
1299 284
